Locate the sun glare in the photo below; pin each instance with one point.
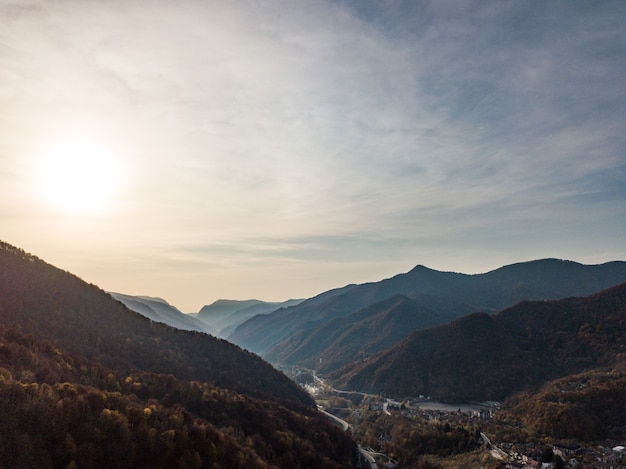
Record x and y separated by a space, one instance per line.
78 177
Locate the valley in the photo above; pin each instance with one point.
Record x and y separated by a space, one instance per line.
411 373
312 234
420 432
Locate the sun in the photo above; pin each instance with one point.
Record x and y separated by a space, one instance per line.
78 177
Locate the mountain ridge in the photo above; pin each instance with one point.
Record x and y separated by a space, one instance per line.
277 334
87 382
223 316
159 310
363 333
483 356
35 296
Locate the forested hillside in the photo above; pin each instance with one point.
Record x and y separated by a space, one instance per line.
364 333
482 357
85 382
302 334
588 406
36 298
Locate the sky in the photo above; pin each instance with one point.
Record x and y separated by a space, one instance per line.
197 150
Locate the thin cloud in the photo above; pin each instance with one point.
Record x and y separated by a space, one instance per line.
359 130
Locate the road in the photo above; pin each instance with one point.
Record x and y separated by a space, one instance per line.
342 423
367 453
368 457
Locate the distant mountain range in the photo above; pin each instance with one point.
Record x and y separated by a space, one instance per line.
482 356
371 329
86 382
223 316
332 329
159 310
218 319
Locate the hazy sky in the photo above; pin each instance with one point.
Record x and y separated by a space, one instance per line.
277 149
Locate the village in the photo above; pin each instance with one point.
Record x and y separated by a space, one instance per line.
354 407
511 455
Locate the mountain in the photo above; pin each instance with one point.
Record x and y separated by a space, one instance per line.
159 310
277 334
259 333
86 382
587 406
223 316
39 299
482 356
222 308
364 333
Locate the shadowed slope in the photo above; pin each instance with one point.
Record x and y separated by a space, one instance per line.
364 333
306 329
85 382
491 357
37 298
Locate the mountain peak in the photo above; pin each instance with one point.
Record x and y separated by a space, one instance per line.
422 268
